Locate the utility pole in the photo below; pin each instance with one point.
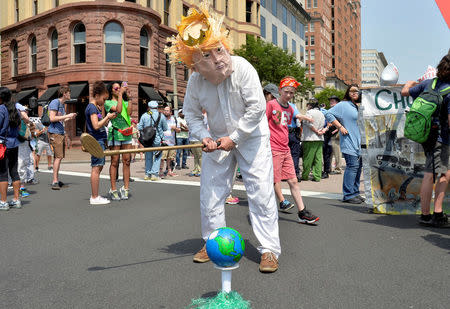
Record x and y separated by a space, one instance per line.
175 91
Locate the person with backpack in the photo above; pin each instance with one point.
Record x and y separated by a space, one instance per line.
156 120
344 116
431 95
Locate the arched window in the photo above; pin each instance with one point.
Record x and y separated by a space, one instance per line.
79 43
54 49
113 42
33 55
15 59
144 47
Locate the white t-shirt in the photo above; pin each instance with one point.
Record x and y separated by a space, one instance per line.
169 135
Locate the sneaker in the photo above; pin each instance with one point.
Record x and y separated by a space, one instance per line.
172 174
124 193
55 186
33 181
201 256
62 184
286 205
269 263
191 174
185 167
232 200
15 204
178 167
305 216
36 169
426 220
325 175
114 195
197 174
50 168
353 200
99 200
147 177
4 205
24 192
155 178
363 200
441 221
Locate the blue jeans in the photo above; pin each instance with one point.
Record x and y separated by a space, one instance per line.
352 175
152 163
182 141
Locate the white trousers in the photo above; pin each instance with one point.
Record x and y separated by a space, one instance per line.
25 164
216 184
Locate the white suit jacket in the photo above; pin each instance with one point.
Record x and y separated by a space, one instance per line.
235 108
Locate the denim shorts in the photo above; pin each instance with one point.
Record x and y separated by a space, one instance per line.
99 161
119 143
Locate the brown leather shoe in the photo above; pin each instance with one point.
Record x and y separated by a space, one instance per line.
269 263
201 256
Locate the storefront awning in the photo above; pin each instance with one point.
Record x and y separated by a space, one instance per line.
151 93
76 90
24 95
49 94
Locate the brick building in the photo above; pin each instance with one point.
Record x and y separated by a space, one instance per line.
46 44
333 42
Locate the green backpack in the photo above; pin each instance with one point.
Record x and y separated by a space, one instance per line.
426 106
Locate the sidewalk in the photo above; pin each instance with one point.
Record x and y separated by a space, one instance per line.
79 162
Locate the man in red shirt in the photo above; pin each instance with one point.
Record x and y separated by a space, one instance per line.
279 114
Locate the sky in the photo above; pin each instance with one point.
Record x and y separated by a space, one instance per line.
412 34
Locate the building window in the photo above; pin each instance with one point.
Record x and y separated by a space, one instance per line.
307 55
301 30
285 47
143 44
302 53
168 66
186 73
263 3
149 3
166 12
248 11
308 4
307 41
33 55
312 40
226 7
311 26
185 10
293 23
54 49
113 42
313 54
263 27
274 35
313 68
16 10
294 47
15 59
79 43
284 14
35 7
214 4
274 7
314 4
55 3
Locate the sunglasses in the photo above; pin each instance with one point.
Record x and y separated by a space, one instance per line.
116 88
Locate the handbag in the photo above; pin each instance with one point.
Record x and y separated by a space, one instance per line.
2 151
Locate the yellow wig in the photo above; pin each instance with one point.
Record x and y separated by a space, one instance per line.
199 31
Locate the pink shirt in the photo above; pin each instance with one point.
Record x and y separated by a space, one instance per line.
279 117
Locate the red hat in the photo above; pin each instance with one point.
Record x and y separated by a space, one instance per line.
289 81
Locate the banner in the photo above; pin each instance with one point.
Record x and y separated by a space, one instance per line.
393 165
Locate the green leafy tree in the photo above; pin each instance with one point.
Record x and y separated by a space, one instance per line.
273 63
327 92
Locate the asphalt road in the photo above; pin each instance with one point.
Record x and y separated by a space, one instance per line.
60 252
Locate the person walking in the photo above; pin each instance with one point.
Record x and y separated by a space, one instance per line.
11 156
279 113
182 139
436 147
344 116
43 145
336 149
56 133
312 142
170 138
154 119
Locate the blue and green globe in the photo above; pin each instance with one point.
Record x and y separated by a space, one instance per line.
225 247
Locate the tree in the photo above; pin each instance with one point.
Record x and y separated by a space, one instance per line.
273 63
327 92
